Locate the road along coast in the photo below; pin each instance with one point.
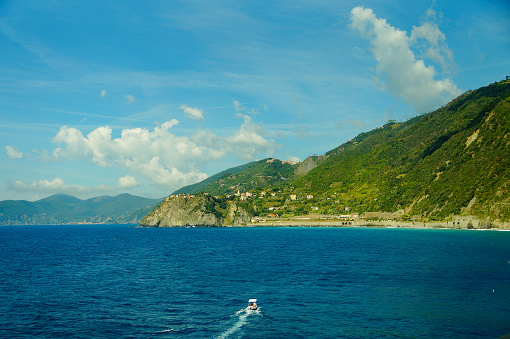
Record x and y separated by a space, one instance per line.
466 223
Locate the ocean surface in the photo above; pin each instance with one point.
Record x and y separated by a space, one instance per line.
118 281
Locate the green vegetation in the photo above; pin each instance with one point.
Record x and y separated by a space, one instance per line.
432 166
262 174
201 186
452 161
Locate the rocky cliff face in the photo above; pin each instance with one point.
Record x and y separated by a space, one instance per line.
237 216
196 210
183 210
309 164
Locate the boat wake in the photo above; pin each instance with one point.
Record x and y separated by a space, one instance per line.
242 318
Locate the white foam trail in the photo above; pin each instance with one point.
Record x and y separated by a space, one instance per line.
243 315
242 310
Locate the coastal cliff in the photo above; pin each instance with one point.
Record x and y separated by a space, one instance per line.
196 210
184 210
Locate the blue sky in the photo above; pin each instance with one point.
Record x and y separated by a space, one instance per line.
108 97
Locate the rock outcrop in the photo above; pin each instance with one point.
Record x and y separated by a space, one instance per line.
237 216
196 210
184 210
309 164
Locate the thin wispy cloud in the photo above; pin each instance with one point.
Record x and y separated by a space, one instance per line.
86 114
130 98
58 185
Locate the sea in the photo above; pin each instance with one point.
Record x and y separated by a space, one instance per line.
121 281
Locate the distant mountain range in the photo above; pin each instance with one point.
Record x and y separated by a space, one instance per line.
65 209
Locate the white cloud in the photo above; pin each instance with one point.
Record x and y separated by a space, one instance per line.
127 181
434 46
238 107
350 123
398 70
130 98
293 158
249 141
57 185
103 93
159 155
193 113
13 152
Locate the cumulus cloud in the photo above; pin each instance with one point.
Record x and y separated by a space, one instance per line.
13 152
249 140
193 113
128 181
431 42
398 69
159 155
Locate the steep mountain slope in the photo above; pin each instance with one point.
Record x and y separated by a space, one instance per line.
201 186
261 174
62 209
451 161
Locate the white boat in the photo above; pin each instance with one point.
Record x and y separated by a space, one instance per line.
252 304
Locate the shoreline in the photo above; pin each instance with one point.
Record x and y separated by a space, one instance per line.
372 223
318 223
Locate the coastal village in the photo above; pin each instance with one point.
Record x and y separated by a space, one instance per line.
281 209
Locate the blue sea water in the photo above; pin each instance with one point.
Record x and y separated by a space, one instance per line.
117 281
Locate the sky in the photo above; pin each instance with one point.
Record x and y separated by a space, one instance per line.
109 97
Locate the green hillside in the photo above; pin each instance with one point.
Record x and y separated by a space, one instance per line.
201 186
451 161
258 175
